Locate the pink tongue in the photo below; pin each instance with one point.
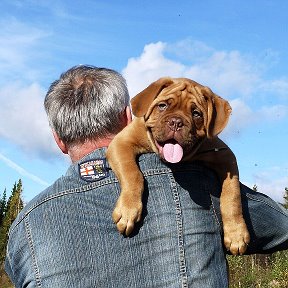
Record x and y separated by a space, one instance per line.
173 153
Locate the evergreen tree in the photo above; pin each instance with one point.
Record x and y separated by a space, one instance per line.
286 198
13 207
2 207
255 188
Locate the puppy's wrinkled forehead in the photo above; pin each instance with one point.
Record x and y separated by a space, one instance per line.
182 93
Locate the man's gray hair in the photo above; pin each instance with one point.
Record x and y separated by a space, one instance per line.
86 103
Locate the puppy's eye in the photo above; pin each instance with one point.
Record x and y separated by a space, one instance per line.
196 114
162 106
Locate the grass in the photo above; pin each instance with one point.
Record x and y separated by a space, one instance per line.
4 280
265 271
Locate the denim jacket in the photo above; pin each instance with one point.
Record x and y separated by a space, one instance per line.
65 236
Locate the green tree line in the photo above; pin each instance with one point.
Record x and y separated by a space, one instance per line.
9 209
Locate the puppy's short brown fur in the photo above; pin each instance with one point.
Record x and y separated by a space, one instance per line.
174 117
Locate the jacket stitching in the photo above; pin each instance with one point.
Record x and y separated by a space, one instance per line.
179 223
31 246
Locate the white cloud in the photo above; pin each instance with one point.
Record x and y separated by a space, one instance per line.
242 115
274 189
151 65
190 51
23 118
227 73
275 112
19 49
277 86
271 182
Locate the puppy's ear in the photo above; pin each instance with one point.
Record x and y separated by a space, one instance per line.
219 111
142 101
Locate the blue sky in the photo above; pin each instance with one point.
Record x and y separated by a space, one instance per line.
237 48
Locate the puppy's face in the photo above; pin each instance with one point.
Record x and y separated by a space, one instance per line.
180 116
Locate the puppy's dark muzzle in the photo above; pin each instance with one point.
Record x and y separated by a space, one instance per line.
175 123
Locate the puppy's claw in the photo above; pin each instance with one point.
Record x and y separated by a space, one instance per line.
125 227
236 248
116 216
125 217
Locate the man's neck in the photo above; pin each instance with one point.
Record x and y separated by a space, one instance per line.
77 152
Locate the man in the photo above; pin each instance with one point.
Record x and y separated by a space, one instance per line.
65 236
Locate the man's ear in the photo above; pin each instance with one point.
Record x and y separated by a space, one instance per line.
128 115
63 147
142 101
219 111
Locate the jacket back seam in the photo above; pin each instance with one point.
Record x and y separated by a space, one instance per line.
180 236
32 251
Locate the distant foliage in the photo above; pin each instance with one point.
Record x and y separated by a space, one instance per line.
285 204
8 212
264 271
255 188
3 205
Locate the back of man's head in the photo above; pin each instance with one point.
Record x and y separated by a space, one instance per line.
86 103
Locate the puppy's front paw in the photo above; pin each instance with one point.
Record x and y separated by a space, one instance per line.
126 214
236 238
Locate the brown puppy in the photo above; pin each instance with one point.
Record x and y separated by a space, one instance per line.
178 119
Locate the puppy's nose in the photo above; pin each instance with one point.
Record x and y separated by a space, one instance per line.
175 123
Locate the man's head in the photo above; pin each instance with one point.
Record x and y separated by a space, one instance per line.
87 104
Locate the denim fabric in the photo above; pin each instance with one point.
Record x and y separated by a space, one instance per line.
65 236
